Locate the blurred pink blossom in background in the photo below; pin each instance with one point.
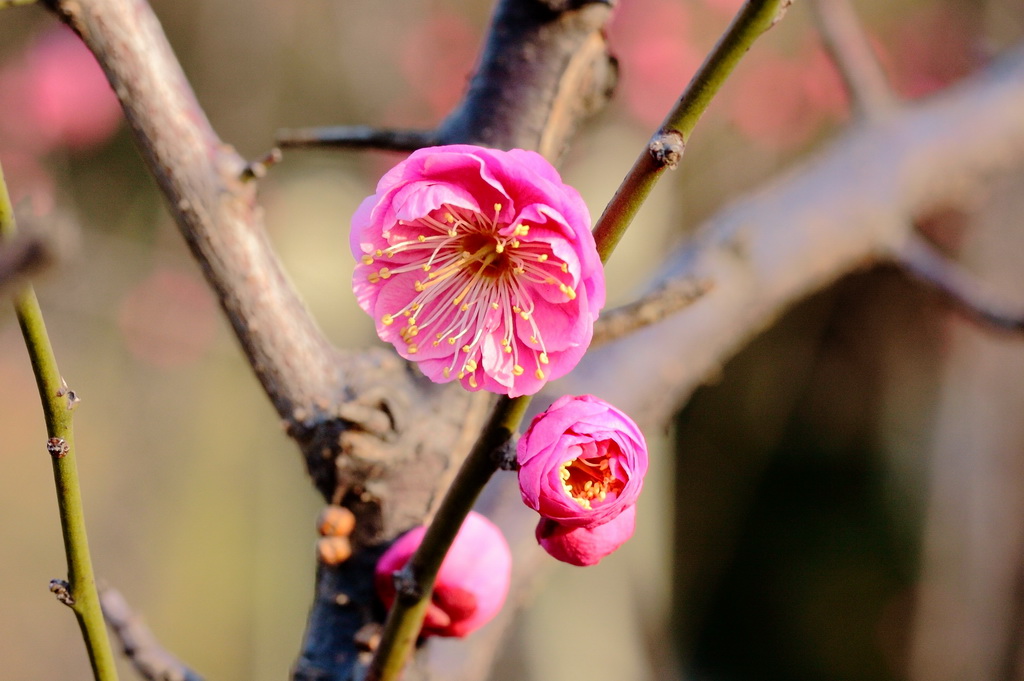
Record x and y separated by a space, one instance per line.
55 95
650 38
168 319
436 58
782 101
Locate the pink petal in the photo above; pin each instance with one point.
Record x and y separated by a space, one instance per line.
582 546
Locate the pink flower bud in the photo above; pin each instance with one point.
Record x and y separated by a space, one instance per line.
479 265
471 585
586 546
581 462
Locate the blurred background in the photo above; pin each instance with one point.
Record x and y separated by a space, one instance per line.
844 502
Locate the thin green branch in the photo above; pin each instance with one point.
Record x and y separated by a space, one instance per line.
667 145
416 581
79 593
4 4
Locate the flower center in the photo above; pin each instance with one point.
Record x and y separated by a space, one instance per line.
590 480
471 283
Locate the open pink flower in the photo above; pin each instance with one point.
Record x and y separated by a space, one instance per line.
471 585
479 265
582 545
581 462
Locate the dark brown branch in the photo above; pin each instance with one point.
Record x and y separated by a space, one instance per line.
151 660
961 288
356 137
851 52
665 300
541 73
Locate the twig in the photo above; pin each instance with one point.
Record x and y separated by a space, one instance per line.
851 52
151 660
79 592
921 259
653 307
667 146
5 4
357 137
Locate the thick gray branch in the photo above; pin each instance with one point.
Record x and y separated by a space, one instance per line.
216 211
849 207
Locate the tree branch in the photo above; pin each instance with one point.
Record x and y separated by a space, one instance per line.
851 52
357 137
656 305
666 147
921 259
79 592
217 213
151 660
850 206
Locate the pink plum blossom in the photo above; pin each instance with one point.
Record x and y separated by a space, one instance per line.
581 466
584 546
471 585
479 265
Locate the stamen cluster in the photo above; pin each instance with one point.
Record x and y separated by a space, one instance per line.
479 265
581 467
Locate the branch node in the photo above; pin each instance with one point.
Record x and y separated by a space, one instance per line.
255 170
72 397
666 148
504 455
406 585
62 590
58 448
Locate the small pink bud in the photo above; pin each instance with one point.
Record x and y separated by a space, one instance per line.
586 546
471 585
